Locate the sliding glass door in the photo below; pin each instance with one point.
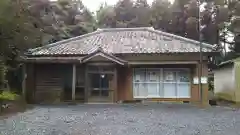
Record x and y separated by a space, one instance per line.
101 84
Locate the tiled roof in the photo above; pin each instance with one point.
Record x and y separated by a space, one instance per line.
123 40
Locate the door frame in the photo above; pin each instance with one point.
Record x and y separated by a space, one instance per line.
87 75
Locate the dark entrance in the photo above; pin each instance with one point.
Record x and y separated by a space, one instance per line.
101 84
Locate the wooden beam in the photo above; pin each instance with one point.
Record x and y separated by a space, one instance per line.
160 62
73 81
52 60
100 63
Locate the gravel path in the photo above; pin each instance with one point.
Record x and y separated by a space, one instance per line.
154 119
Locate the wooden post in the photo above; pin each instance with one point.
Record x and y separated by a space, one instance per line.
86 90
115 85
73 81
24 77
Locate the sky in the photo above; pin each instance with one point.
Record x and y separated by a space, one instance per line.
93 5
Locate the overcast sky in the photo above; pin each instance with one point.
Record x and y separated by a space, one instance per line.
93 5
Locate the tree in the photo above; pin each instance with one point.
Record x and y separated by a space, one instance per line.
106 16
62 19
161 15
142 13
234 26
16 29
124 13
28 24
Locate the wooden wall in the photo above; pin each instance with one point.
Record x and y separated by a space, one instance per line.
47 82
124 83
125 91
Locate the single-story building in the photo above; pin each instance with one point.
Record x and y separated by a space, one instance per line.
117 64
227 80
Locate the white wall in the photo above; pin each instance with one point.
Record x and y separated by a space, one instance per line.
224 80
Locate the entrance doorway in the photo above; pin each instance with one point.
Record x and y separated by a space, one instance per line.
100 86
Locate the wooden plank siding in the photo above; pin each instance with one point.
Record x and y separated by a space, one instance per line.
124 85
47 83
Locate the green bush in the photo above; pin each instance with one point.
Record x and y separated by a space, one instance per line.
7 95
210 84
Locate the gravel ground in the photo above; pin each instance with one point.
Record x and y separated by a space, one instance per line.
153 119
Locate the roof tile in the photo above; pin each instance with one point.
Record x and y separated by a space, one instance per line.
123 40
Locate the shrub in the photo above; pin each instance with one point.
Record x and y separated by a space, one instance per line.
7 95
211 84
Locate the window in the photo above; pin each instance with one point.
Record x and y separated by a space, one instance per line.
146 83
169 83
161 83
169 76
183 84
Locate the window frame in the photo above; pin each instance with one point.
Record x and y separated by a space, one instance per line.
161 81
146 82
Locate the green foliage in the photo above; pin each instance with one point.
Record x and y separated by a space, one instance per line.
17 30
7 95
28 24
211 84
105 16
61 19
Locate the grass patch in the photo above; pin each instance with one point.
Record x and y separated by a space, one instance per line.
12 103
224 97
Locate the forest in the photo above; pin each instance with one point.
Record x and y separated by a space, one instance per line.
28 24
